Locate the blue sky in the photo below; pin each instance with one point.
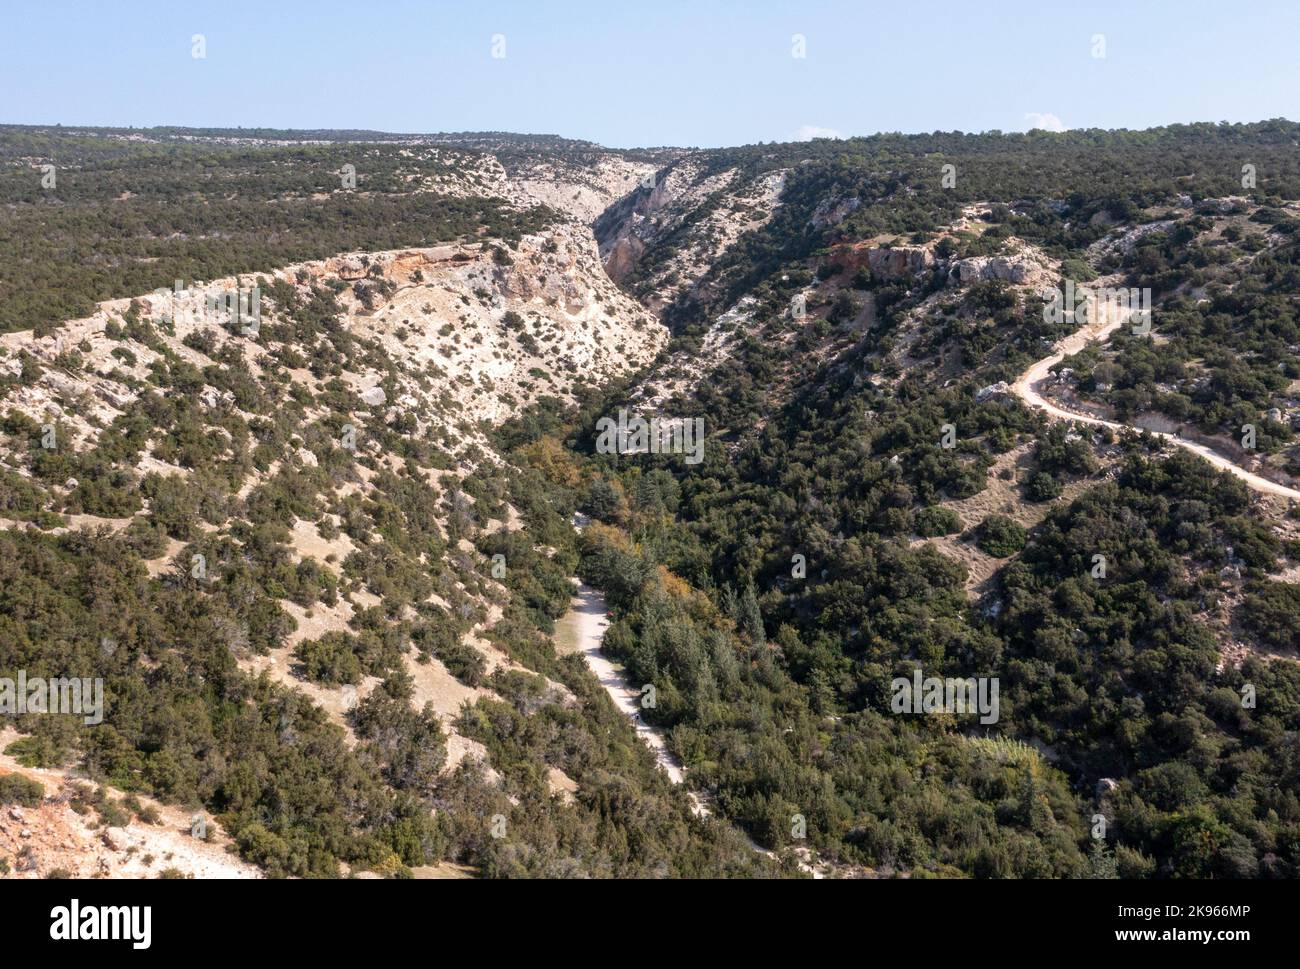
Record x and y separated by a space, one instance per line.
707 72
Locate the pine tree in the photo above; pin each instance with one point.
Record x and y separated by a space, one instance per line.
751 617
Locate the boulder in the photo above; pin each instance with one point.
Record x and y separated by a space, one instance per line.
351 269
61 383
1019 270
999 389
212 398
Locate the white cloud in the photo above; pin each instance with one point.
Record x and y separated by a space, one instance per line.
810 131
1048 121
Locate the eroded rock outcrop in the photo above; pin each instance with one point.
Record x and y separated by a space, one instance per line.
1020 269
886 262
697 213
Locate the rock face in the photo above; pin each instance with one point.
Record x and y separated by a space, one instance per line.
114 396
1223 206
542 271
903 261
1025 267
628 228
494 326
350 269
701 212
833 211
885 262
582 192
1020 269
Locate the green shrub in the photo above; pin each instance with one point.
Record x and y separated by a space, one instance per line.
17 789
331 660
937 520
1000 536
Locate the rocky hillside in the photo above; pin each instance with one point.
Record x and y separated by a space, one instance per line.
532 319
55 825
317 560
880 492
313 508
661 239
432 345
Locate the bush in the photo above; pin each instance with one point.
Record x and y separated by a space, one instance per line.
1000 536
17 789
936 520
330 659
463 661
1042 487
1270 610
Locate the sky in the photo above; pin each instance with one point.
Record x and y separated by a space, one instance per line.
622 73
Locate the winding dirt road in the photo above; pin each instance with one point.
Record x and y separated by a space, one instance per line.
581 630
1026 387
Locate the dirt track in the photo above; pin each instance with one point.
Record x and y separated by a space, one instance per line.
1026 388
581 630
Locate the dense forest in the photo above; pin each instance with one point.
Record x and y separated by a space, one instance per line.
773 679
775 689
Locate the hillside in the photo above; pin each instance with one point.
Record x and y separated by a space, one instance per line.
318 562
839 542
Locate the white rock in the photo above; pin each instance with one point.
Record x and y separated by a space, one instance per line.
998 389
111 395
